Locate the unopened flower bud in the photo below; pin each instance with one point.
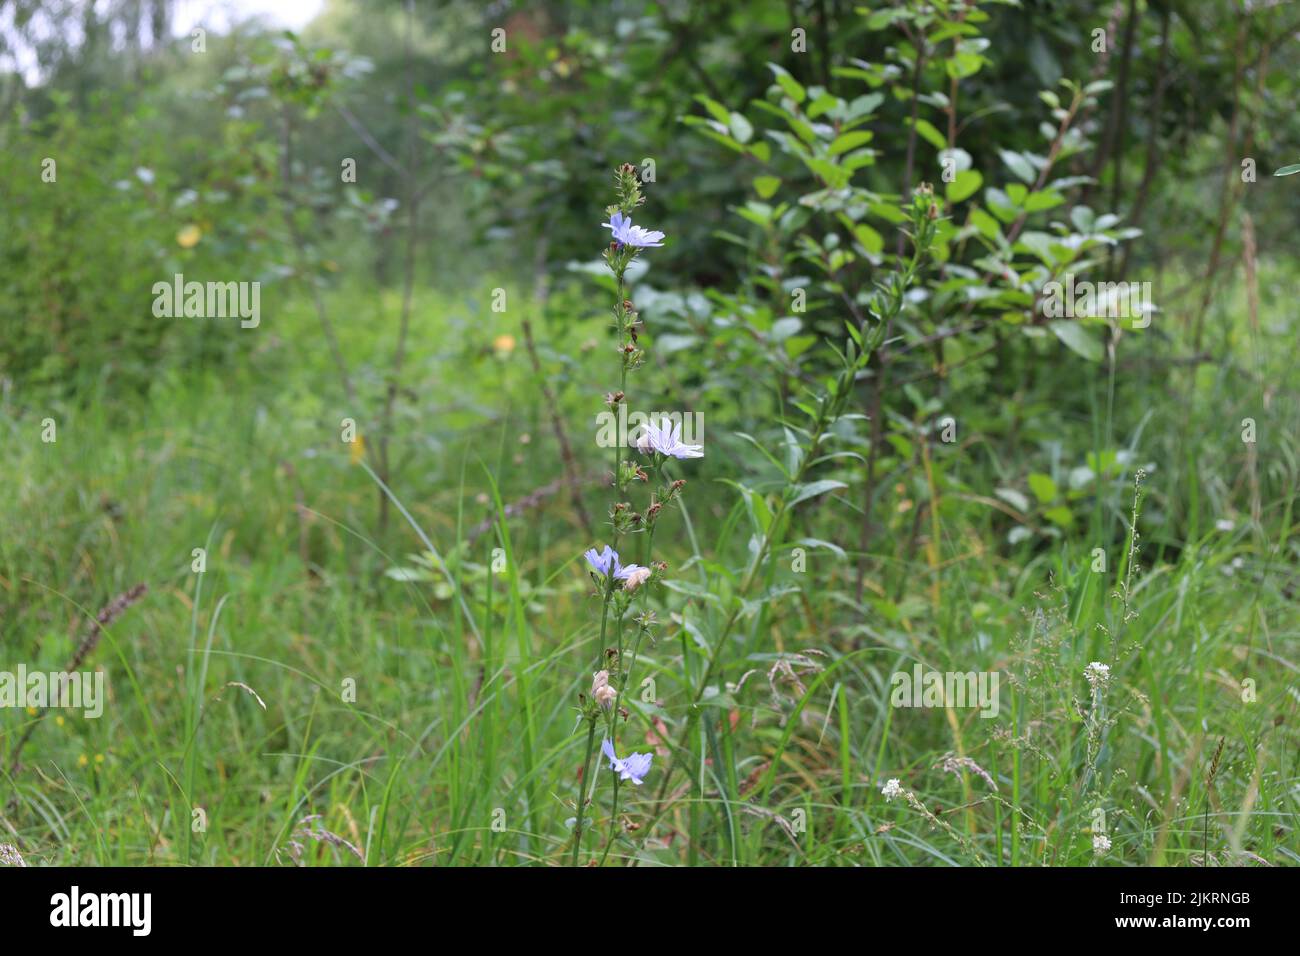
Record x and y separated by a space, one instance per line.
601 692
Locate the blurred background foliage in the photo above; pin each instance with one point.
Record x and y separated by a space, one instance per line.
779 138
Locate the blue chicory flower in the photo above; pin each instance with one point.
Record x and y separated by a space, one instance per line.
626 234
666 440
633 768
604 562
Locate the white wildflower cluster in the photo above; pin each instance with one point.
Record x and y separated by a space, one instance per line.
1098 674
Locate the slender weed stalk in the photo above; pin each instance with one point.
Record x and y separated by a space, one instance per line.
620 585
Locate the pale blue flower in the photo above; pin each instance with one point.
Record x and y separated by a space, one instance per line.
666 440
626 234
633 768
604 561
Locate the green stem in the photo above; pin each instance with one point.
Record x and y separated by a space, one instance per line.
623 682
625 676
604 616
613 823
582 793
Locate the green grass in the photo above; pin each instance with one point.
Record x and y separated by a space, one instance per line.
462 745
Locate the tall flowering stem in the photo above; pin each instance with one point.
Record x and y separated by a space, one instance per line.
618 582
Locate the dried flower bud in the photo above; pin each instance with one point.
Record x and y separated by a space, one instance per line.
636 579
605 697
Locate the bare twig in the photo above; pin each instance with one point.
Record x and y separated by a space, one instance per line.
527 503
540 295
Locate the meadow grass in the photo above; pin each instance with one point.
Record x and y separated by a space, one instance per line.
229 696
